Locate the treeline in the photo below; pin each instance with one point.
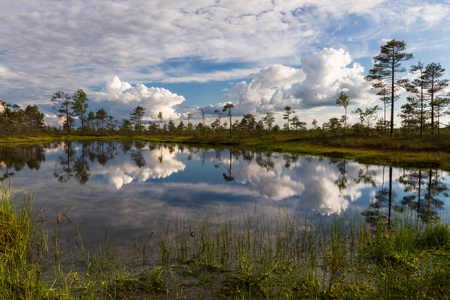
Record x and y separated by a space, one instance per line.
16 121
425 106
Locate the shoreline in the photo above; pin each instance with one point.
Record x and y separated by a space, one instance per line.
399 152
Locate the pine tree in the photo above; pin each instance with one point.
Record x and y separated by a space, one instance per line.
62 104
387 66
136 117
229 106
433 72
79 106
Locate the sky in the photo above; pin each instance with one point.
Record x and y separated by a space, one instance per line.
179 57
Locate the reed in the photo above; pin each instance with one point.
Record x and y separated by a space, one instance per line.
22 247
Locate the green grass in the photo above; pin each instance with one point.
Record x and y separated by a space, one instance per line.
21 249
239 255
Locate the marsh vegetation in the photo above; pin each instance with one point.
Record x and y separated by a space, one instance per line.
242 254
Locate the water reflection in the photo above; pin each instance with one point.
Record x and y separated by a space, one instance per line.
384 200
134 182
426 189
15 159
227 176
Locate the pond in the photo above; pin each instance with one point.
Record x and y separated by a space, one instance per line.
127 187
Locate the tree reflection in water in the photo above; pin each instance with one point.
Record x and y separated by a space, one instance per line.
380 210
264 160
136 154
15 159
63 169
342 181
324 185
81 166
228 177
426 189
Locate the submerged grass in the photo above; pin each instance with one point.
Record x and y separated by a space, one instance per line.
241 255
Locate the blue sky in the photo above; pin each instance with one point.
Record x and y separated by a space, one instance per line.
183 56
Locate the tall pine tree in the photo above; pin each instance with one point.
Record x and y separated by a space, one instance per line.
387 66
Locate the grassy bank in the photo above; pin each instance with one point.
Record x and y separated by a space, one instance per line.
240 255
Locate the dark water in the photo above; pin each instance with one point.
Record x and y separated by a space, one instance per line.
127 187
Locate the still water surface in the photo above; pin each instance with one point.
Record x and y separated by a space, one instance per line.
127 187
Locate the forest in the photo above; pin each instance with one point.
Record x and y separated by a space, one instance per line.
426 105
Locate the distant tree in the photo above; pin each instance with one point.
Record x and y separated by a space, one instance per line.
216 124
62 104
332 125
8 117
298 125
153 127
287 116
126 126
248 123
203 116
384 92
91 118
180 126
136 117
368 115
387 65
409 115
315 124
440 103
101 116
5 121
17 118
418 86
160 117
219 115
171 126
6 108
229 106
111 124
259 128
34 119
79 106
269 119
189 116
433 72
343 100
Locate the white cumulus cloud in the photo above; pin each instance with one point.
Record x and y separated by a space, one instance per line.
122 98
317 83
265 91
329 72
